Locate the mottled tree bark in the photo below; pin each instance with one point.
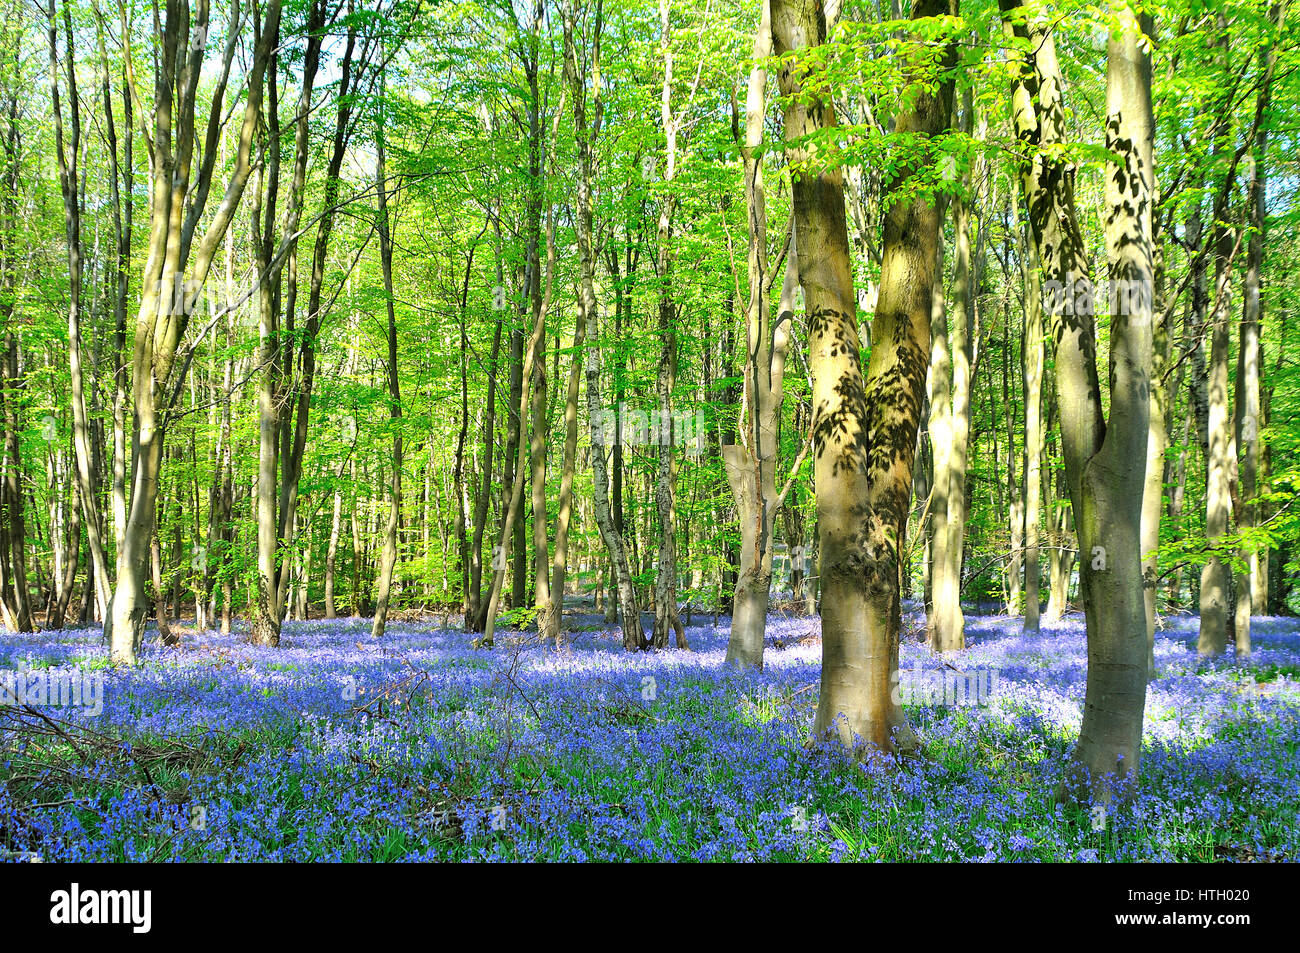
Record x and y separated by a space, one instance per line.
864 427
1105 460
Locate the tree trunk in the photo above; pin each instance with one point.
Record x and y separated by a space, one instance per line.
294 438
1221 460
864 430
547 622
177 201
13 527
665 492
331 556
1154 485
13 591
1060 568
1247 418
602 433
68 179
458 480
1105 460
474 612
389 558
66 579
1035 343
952 630
584 140
751 464
165 634
511 515
939 617
752 475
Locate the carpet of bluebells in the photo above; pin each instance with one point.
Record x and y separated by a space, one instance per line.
419 747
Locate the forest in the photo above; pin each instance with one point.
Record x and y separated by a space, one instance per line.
605 430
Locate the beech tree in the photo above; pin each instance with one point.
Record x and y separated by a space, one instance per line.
751 465
159 365
1105 459
864 425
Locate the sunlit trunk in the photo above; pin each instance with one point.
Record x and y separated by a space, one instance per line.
864 426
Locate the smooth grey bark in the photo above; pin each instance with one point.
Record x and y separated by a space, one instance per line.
1060 561
388 559
864 426
939 394
946 622
178 197
1221 445
752 476
266 613
1154 484
1105 459
67 156
585 137
1251 595
751 464
951 632
331 555
1035 346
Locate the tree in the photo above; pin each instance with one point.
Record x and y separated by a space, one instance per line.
1105 460
864 428
15 607
751 464
158 366
388 560
551 625
68 179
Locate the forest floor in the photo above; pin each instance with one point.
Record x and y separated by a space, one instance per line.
417 747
